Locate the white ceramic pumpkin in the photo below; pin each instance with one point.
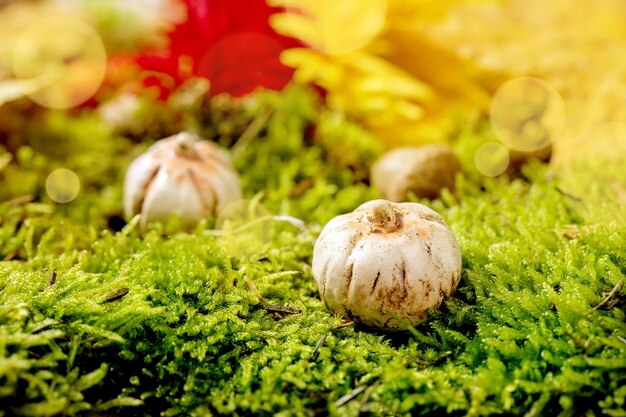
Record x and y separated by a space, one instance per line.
386 261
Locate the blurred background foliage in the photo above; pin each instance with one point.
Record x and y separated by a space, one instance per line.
409 72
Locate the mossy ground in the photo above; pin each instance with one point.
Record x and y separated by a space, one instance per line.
95 320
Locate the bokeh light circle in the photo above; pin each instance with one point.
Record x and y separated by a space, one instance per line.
247 228
491 159
527 114
64 55
333 27
62 185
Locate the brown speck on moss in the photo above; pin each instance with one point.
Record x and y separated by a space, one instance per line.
52 279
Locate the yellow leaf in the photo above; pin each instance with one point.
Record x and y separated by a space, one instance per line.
295 26
390 74
330 26
312 67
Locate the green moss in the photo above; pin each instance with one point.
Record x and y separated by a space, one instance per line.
166 323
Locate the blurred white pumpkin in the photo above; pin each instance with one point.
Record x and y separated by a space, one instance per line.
180 174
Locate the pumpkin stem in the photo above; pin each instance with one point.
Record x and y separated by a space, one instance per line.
184 144
384 217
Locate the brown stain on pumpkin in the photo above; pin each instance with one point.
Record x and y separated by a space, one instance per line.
423 230
387 324
402 270
352 316
429 249
354 240
324 280
443 293
375 283
347 276
454 281
394 296
428 287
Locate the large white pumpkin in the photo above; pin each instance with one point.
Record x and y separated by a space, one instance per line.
386 260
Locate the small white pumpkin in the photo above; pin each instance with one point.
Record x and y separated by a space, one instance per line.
180 174
384 260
